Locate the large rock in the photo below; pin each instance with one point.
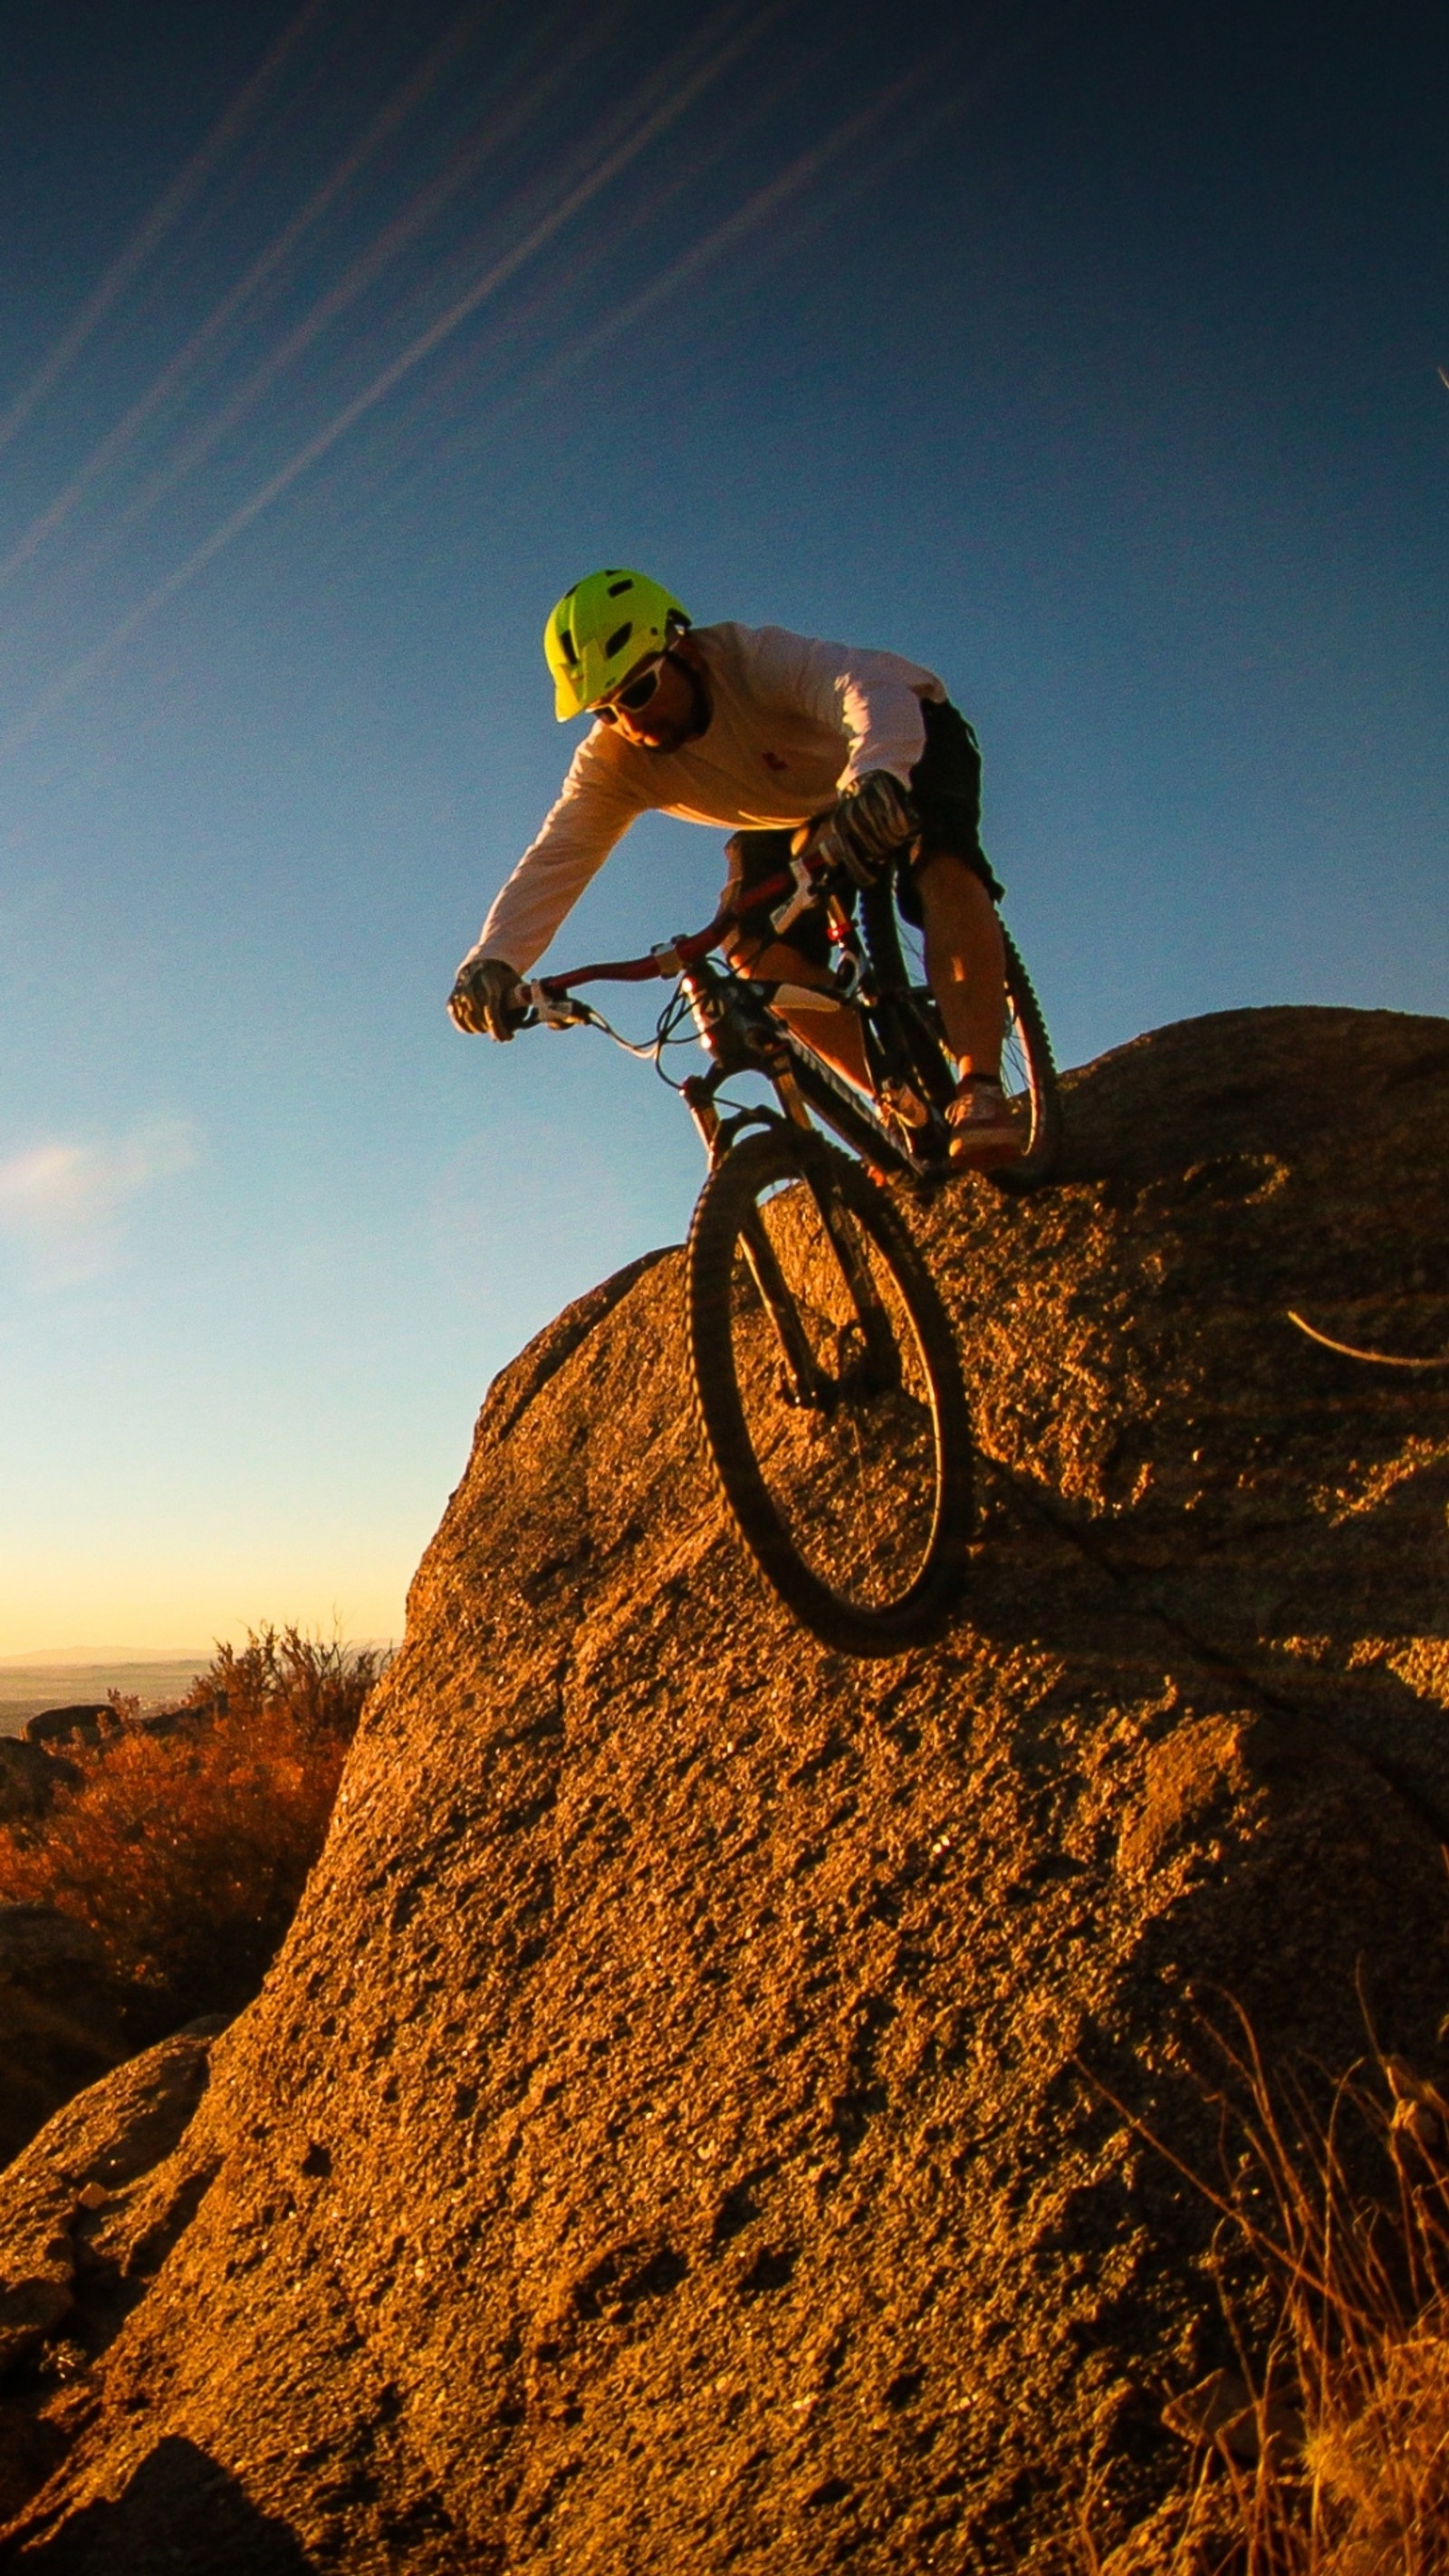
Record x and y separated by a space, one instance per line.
29 1779
679 2130
60 2017
81 1722
78 2239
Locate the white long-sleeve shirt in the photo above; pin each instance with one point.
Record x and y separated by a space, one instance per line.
794 723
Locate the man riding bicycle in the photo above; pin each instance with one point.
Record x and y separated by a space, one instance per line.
768 733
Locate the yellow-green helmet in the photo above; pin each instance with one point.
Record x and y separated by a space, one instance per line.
600 629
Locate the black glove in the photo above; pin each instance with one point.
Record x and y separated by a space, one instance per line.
483 1002
873 820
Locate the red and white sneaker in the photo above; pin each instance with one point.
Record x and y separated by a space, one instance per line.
985 1131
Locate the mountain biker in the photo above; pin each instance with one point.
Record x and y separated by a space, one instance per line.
766 731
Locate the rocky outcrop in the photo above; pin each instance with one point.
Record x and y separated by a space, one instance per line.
84 1722
681 2131
79 2236
29 1779
60 2017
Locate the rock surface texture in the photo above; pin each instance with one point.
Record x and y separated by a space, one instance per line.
664 2142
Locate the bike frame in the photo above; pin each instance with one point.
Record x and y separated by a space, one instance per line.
902 1130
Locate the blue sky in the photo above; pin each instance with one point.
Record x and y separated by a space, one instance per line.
1087 355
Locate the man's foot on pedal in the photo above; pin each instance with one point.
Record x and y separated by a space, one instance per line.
985 1132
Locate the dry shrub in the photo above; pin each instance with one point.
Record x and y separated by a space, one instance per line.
1382 2460
187 1852
1366 2299
1347 2404
322 1684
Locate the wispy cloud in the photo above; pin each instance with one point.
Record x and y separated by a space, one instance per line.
62 1202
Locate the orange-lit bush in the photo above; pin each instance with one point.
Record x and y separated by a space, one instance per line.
187 1852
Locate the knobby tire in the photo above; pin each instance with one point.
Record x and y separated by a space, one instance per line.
1029 1046
857 1501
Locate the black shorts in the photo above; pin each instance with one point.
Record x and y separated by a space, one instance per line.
946 787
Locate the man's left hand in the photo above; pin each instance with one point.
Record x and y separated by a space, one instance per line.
484 998
873 820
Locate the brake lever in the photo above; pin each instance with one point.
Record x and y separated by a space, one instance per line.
551 1010
811 888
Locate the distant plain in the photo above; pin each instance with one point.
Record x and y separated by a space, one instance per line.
54 1682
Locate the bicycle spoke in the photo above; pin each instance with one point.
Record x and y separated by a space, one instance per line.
850 1472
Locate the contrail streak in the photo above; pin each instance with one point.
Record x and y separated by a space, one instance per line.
986 77
116 440
645 210
487 285
746 219
414 218
163 217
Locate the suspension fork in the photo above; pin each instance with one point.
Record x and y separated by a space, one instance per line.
811 1383
874 1322
808 1383
883 1357
882 1354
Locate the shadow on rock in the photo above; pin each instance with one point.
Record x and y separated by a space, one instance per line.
178 2510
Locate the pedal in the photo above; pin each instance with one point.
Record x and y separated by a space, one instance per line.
900 1102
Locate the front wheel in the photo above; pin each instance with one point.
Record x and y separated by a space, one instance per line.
830 1389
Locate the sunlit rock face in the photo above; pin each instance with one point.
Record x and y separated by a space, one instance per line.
680 2130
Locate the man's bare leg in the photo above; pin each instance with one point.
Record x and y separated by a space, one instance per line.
833 1034
965 961
965 965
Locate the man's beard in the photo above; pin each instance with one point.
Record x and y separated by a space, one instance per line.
700 714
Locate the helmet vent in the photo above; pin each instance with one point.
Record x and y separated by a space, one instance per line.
618 640
567 642
618 588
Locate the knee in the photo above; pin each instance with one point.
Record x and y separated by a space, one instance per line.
772 961
741 950
949 879
952 870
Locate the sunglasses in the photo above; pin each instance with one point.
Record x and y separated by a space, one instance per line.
636 697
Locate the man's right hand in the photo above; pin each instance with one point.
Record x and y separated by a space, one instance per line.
873 820
482 1000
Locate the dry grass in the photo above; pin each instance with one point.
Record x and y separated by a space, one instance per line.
188 1852
1332 2458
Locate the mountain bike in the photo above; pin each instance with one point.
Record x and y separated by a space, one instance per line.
825 1368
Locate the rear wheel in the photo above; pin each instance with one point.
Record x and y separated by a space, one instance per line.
831 1393
1028 1071
1029 1078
